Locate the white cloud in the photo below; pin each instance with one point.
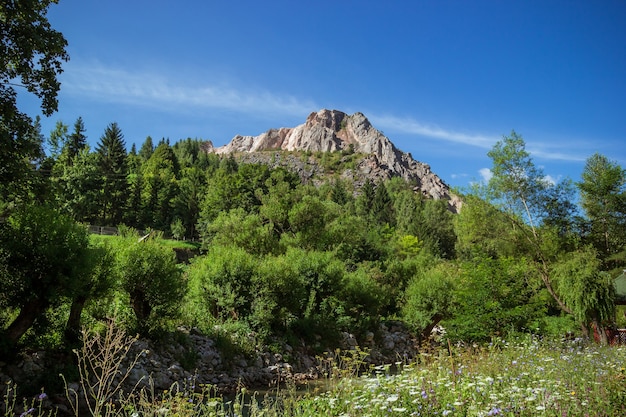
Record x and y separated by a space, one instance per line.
551 180
151 90
486 174
408 125
171 94
541 151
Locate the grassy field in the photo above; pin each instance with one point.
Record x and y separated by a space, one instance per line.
520 379
174 244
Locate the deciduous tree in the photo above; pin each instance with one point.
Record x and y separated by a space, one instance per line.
44 261
31 55
522 190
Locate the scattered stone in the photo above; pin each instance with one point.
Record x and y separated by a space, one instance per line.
158 364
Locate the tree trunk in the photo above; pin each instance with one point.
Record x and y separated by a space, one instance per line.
433 322
140 306
584 329
604 339
72 327
26 318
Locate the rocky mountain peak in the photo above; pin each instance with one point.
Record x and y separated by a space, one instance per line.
333 130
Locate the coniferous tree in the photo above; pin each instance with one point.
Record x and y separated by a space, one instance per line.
366 199
382 206
160 187
603 197
133 213
77 140
111 152
338 193
146 150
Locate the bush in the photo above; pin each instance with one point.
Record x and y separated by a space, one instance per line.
220 286
155 284
43 261
428 298
363 301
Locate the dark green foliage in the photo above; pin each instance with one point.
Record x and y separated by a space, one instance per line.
232 187
98 283
494 297
435 229
603 199
79 188
247 231
32 53
364 301
429 298
382 206
221 285
111 151
159 180
303 293
354 240
585 287
77 140
307 221
365 200
338 193
44 258
146 150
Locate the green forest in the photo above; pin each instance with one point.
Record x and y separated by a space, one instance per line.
279 259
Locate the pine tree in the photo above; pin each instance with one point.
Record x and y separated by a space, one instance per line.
146 150
111 152
382 206
160 187
338 193
366 199
77 139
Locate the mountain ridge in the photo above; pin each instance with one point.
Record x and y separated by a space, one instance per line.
333 131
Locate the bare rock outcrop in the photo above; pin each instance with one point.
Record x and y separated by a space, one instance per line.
333 130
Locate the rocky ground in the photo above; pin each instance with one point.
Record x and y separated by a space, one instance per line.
195 359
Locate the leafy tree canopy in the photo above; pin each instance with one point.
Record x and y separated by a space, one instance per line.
31 54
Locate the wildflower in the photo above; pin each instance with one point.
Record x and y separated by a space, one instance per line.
42 396
446 412
392 398
494 411
27 412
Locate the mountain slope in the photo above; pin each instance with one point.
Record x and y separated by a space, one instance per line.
331 131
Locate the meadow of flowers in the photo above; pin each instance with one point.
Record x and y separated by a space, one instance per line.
519 379
527 378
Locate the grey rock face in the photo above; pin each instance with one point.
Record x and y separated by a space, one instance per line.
333 130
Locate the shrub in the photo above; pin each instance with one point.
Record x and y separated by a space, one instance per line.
154 283
220 286
428 298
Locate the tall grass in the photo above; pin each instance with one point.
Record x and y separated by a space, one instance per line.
527 377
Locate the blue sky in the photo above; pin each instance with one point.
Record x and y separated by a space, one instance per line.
442 79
